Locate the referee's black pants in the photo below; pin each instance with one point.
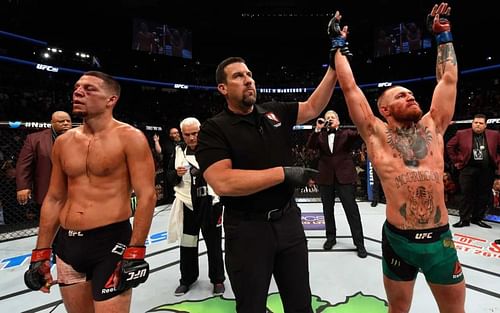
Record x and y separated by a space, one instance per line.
257 249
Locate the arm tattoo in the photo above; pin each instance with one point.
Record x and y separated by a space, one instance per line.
411 143
446 53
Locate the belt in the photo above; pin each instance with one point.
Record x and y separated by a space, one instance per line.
420 235
202 191
267 216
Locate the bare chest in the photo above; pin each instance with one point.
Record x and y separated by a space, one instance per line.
412 148
92 157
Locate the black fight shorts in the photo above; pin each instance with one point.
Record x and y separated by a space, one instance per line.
92 255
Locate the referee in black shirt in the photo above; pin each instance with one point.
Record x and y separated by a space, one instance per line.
245 153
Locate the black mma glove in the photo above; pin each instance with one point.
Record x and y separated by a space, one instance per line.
133 269
337 40
440 26
298 176
38 275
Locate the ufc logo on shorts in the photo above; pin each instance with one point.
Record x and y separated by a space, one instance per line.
119 248
74 233
137 274
420 236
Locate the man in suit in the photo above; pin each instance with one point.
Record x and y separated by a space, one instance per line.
337 174
378 192
474 152
166 153
34 161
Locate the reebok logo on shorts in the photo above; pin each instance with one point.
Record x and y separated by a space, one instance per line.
119 248
457 272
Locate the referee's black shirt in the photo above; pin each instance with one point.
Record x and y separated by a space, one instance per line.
259 140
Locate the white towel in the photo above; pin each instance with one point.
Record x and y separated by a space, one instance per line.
175 221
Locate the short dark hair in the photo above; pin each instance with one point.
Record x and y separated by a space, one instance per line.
381 91
220 75
480 115
110 82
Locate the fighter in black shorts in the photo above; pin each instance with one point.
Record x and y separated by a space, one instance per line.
92 255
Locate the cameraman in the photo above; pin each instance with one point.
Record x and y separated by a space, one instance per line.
337 173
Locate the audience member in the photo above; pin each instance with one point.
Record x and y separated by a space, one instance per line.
337 175
413 36
377 190
195 206
450 188
495 197
144 39
474 152
34 164
165 153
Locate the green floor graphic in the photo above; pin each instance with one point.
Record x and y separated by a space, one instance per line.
357 303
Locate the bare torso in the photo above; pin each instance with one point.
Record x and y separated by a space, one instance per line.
98 180
410 166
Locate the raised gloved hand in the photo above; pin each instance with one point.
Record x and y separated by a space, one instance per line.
438 23
338 39
133 269
38 275
299 176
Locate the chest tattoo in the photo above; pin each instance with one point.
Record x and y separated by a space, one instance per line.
411 143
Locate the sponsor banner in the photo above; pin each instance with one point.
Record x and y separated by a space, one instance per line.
369 179
476 245
313 221
48 68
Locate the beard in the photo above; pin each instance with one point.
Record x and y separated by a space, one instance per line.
249 101
414 114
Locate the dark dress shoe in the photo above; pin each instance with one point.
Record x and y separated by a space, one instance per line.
374 204
362 252
461 224
329 243
481 224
